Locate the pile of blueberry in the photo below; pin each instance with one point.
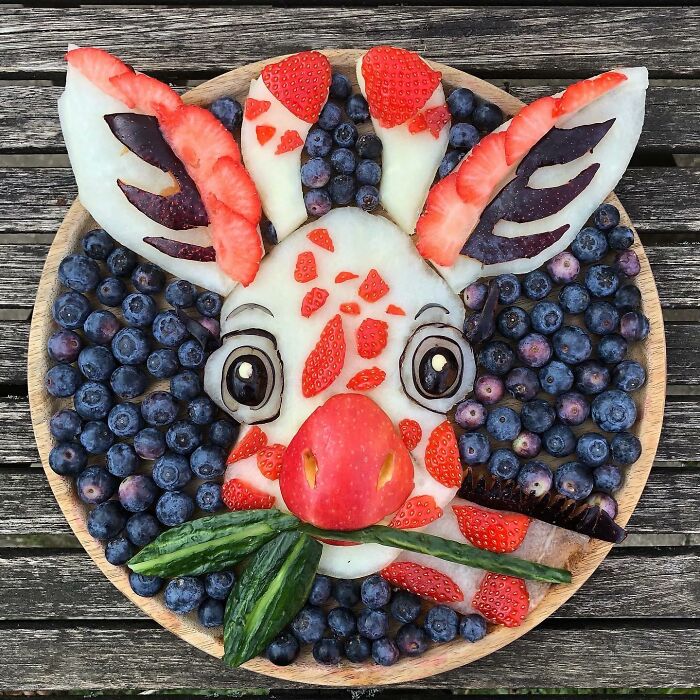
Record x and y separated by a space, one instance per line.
559 355
144 456
369 621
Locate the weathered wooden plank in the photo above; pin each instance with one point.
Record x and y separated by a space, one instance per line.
14 338
528 40
41 585
149 658
29 120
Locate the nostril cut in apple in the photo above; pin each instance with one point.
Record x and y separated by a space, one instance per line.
386 473
310 467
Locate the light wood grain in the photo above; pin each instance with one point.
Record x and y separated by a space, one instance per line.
438 659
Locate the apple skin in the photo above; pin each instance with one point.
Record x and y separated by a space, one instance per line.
347 467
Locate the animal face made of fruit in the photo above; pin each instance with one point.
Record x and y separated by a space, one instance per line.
342 350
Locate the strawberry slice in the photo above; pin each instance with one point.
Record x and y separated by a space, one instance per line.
264 132
254 108
231 184
145 94
488 529
240 495
372 336
345 276
326 360
528 126
373 287
417 124
584 92
483 169
254 440
394 310
436 118
398 83
289 141
305 268
416 512
269 461
322 239
313 300
366 379
99 67
300 82
423 581
350 307
503 600
411 433
442 456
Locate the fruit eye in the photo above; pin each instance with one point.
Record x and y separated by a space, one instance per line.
438 372
247 379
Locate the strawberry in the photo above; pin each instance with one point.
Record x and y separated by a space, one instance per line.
371 336
254 108
254 440
398 83
395 310
373 287
240 495
411 433
528 126
99 67
146 94
582 93
264 132
305 269
502 599
326 360
423 581
231 184
492 530
442 456
436 118
350 307
345 276
416 512
313 300
483 169
417 124
300 82
269 461
322 238
366 379
289 141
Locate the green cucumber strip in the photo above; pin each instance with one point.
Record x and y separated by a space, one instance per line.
268 594
449 550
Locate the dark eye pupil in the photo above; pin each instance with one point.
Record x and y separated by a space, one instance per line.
438 371
247 380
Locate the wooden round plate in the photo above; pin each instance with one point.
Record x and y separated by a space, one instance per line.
444 657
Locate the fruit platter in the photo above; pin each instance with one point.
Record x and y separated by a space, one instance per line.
346 366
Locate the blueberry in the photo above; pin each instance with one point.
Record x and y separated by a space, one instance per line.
405 606
572 408
191 355
100 327
441 623
131 346
573 480
496 357
201 410
318 202
174 508
223 432
142 529
67 458
470 414
537 415
385 652
357 108
208 497
162 363
309 624
168 329
268 232
606 216
159 408
96 437
144 585
487 116
522 383
185 385
345 135
171 472
592 377
604 501
106 521
283 650
614 411
472 628
148 278
513 322
369 146
320 590
316 172
119 550
572 345
96 363
504 464
95 485
124 420
563 268
331 115
79 273
128 382
607 478
97 244
534 350
411 640
508 289
341 622
228 111
62 380
65 424
70 310
612 348
464 136
64 346
208 462
139 309
449 162
628 263
461 103
473 333
343 161
475 295
93 401
137 493
121 261
503 423
527 444
601 318
327 651
537 285
535 478
121 460
183 437
574 298
620 237
375 592
474 448
357 649
634 326
318 143
367 197
546 317
590 245
211 613
629 376
592 449
372 624
183 594
368 172
180 294
489 389
342 189
346 592
602 280
149 443
625 448
556 378
559 440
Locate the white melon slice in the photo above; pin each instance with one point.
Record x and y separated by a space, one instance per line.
98 160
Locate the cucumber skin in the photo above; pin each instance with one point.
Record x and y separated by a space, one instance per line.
269 593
